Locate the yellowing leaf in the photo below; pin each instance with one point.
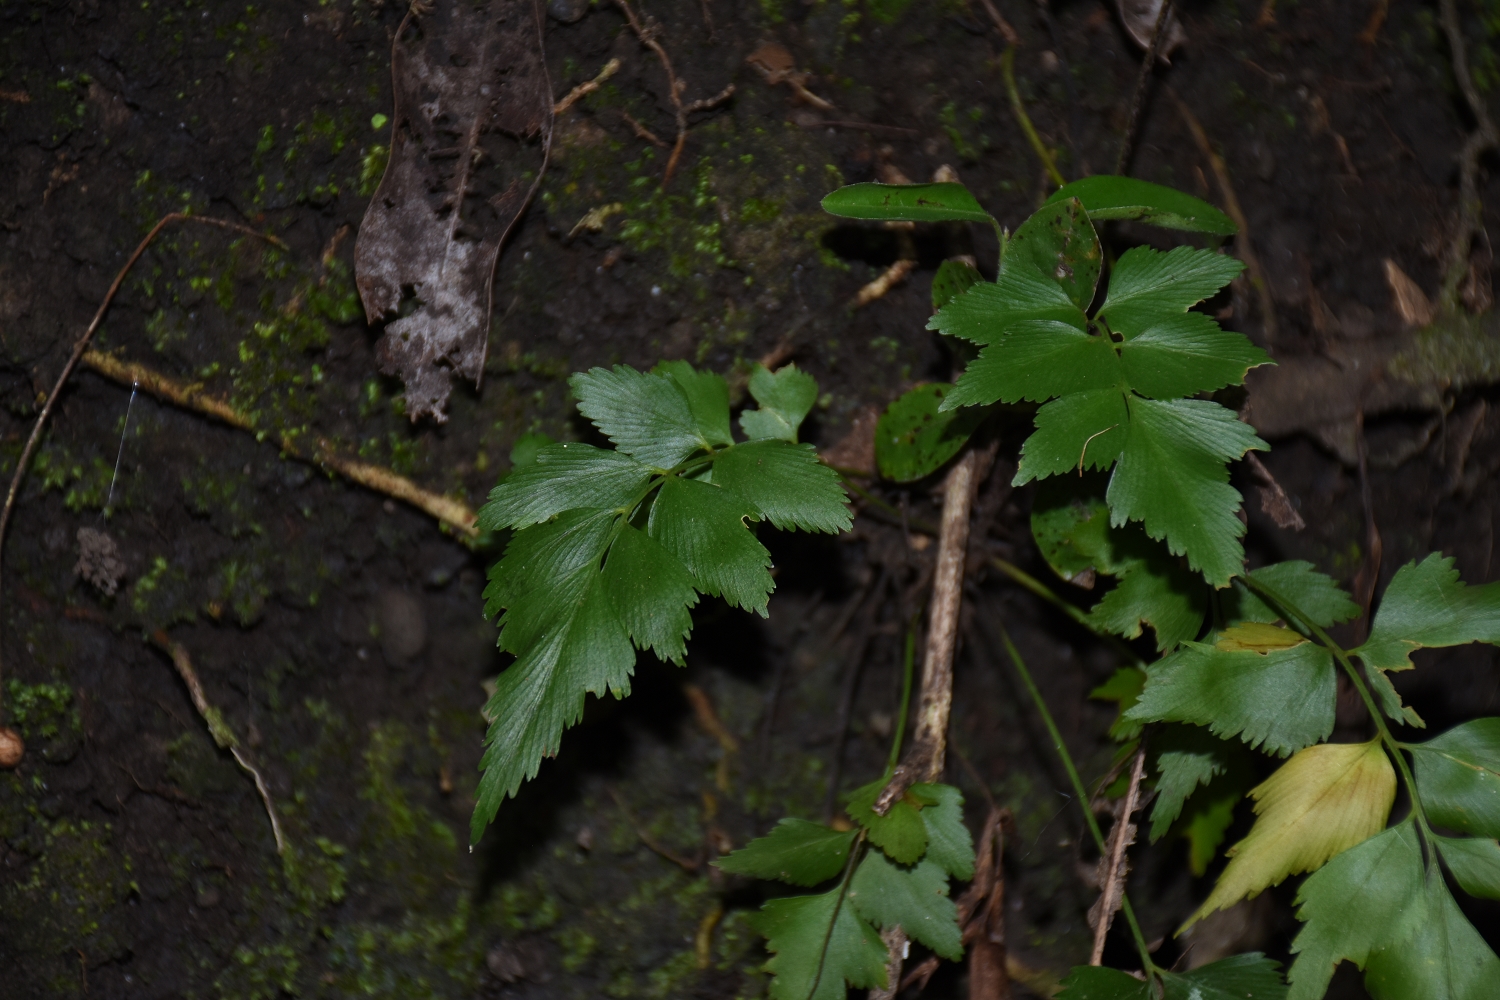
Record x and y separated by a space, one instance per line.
1324 800
1257 637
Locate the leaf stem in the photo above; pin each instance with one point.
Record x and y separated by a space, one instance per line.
908 662
1149 966
856 855
1007 67
1393 747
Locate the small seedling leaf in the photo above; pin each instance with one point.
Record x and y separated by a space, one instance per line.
1123 688
785 399
1111 197
944 202
704 526
708 400
1324 800
914 438
1458 777
795 851
646 415
1187 756
915 898
901 833
786 485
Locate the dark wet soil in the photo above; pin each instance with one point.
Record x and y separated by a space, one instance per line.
340 633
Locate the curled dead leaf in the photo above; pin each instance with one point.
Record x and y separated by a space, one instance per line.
777 65
471 96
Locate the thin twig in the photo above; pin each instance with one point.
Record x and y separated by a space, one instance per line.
454 513
218 727
1112 889
1001 24
1484 137
1142 80
584 89
1232 207
929 744
647 36
82 345
1007 68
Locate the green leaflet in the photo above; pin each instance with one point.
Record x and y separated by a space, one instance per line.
563 477
795 851
1123 688
647 416
1444 959
949 845
818 945
1070 523
1381 880
786 485
1314 594
944 202
1096 982
1427 605
581 586
1475 864
785 399
1280 701
1111 197
913 438
914 898
1187 756
1458 777
901 833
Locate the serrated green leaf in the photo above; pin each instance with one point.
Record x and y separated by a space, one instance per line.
704 526
915 898
1036 361
1475 864
949 845
785 399
708 399
1185 354
652 592
552 553
1193 506
1251 976
1148 284
1187 756
1206 819
901 833
953 277
1314 594
943 202
1157 592
1444 959
1425 606
1020 297
785 484
584 650
1458 777
819 945
1096 982
647 416
1323 801
561 477
1381 882
795 851
1123 688
1070 525
913 438
1058 243
1281 701
1107 196
1086 430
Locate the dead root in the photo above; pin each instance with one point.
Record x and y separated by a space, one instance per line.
647 33
581 91
218 727
321 452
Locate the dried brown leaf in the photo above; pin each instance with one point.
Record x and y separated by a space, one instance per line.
1411 303
471 98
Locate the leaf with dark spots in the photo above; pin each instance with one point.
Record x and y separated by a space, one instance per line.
471 100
